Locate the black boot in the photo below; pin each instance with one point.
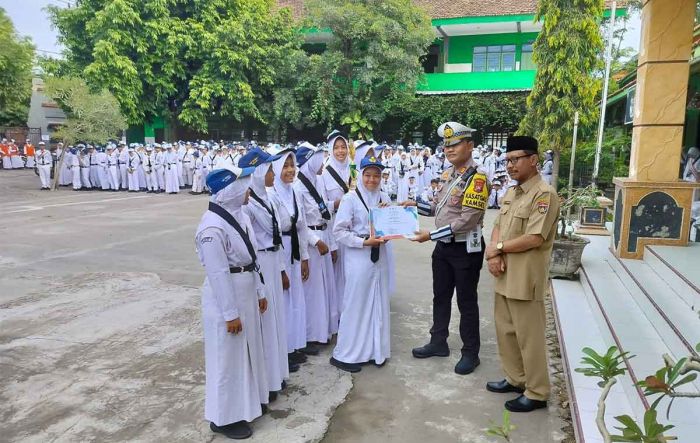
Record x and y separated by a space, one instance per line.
348 367
467 364
236 431
432 350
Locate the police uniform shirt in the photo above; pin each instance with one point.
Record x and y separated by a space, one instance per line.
463 209
531 208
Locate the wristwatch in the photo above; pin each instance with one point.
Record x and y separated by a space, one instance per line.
499 247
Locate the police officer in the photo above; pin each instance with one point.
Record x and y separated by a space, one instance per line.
518 256
458 206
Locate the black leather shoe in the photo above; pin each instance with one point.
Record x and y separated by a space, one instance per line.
309 349
503 387
467 364
348 367
297 357
524 404
432 350
263 408
236 431
272 397
284 385
293 367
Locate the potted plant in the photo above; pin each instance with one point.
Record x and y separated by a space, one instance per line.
568 247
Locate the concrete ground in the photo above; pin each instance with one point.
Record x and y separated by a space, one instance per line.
100 338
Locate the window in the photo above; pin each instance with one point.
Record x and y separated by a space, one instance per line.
493 58
526 62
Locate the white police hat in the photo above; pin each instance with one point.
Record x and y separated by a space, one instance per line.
453 133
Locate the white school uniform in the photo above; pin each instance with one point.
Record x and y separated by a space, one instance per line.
85 171
132 170
123 160
172 181
43 162
75 171
365 331
283 195
272 262
236 383
319 288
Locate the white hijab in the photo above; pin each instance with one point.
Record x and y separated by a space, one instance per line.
342 168
372 198
258 181
232 196
360 153
284 190
312 166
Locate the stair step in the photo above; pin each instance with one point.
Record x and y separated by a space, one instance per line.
677 266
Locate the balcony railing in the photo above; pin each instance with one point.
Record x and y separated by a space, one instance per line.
471 82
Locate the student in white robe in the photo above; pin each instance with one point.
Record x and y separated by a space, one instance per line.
94 166
388 187
197 174
103 167
149 170
44 162
132 171
269 220
232 300
64 177
336 183
364 333
296 254
172 182
84 168
113 168
75 170
319 288
123 159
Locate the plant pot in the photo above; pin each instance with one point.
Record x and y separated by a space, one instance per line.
566 257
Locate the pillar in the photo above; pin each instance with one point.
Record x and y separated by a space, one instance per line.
652 206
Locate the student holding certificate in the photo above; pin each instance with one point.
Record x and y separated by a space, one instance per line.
364 332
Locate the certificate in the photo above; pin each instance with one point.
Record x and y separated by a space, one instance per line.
393 222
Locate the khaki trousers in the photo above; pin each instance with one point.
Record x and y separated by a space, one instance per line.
520 331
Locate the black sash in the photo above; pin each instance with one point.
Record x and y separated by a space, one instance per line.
294 233
276 237
374 254
338 179
315 195
223 213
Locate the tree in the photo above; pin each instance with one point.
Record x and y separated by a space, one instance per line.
566 53
93 117
372 57
15 73
191 58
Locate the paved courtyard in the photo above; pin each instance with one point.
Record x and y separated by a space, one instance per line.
100 337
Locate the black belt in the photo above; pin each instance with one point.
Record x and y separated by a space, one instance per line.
85 167
186 161
239 269
270 249
319 227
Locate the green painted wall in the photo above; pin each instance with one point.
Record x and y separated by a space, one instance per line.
462 46
478 81
149 128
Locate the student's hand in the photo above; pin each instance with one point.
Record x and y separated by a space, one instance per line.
384 205
421 236
334 256
408 203
262 304
234 326
322 247
304 270
285 280
374 241
336 204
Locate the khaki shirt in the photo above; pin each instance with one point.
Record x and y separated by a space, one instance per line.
530 208
463 209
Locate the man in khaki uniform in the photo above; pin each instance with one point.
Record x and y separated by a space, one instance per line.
518 256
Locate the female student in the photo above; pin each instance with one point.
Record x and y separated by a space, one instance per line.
232 301
364 330
336 183
296 253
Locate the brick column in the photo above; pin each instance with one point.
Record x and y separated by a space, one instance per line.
651 205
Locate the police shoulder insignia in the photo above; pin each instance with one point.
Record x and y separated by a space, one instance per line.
542 204
477 193
446 175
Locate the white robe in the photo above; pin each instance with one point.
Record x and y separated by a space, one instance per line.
319 289
172 183
365 331
274 330
236 382
132 170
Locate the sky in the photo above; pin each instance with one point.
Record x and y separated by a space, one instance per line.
30 19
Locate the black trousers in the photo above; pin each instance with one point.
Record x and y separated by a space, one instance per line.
454 268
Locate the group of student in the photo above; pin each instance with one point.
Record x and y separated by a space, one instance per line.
289 263
16 157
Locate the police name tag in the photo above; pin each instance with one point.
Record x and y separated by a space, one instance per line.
474 240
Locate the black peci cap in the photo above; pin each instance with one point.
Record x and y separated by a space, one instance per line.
522 142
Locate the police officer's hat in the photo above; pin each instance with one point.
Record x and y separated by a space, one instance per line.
305 152
522 143
220 178
453 133
371 161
